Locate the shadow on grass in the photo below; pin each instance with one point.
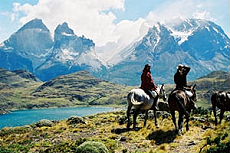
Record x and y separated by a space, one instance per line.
123 130
162 136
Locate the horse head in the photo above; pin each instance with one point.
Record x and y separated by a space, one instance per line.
162 93
193 90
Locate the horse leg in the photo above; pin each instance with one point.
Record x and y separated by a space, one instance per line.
146 117
214 112
174 119
155 118
221 114
180 123
128 116
135 118
187 121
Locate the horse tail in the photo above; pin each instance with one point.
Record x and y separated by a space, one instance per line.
214 99
214 103
181 105
133 100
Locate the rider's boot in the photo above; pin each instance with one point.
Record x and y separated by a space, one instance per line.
155 104
194 106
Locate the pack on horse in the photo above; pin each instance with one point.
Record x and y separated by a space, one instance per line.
221 100
179 101
140 101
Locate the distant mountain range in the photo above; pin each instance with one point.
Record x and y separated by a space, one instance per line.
22 90
201 44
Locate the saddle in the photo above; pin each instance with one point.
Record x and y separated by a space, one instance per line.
189 94
153 94
187 91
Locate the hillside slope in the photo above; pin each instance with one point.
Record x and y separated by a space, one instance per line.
82 88
110 129
207 85
22 90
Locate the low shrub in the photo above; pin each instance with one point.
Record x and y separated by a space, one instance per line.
92 147
44 122
4 150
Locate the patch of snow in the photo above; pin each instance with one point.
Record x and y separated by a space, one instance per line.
156 43
158 27
226 46
183 36
89 58
207 28
67 34
217 31
66 55
2 44
8 48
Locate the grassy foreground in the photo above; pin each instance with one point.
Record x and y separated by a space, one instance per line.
110 129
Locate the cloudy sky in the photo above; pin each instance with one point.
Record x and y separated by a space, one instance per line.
109 21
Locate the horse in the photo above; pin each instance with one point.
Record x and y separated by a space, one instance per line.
140 101
179 101
221 100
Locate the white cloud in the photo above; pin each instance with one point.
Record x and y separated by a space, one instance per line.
95 20
86 17
181 9
173 11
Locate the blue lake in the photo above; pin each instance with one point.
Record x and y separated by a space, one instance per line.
25 117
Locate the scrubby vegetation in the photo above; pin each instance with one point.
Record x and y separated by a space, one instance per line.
93 147
106 128
110 130
25 92
70 90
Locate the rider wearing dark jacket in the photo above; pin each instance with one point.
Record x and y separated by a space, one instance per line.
180 76
181 80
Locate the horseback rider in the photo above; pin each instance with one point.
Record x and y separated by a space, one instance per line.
180 79
148 85
180 76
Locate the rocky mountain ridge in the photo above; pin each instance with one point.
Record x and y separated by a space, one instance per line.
201 44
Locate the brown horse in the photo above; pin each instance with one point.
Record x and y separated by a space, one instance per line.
221 100
179 101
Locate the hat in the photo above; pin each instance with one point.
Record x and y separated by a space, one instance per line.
180 66
147 65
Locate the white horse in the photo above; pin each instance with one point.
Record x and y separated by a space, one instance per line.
140 101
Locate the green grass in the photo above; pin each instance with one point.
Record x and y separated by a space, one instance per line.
107 129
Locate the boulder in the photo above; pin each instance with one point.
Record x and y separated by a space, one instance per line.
76 120
44 122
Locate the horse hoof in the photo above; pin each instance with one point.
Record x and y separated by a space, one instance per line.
180 132
157 126
135 128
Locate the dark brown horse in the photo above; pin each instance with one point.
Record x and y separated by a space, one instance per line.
221 100
179 101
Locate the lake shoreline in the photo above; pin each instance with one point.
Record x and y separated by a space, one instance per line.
8 111
3 111
26 117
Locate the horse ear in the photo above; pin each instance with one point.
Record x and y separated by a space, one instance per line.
194 86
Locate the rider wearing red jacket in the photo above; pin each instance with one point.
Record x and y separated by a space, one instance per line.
147 83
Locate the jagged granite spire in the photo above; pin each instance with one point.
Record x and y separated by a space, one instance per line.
32 41
62 30
34 24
